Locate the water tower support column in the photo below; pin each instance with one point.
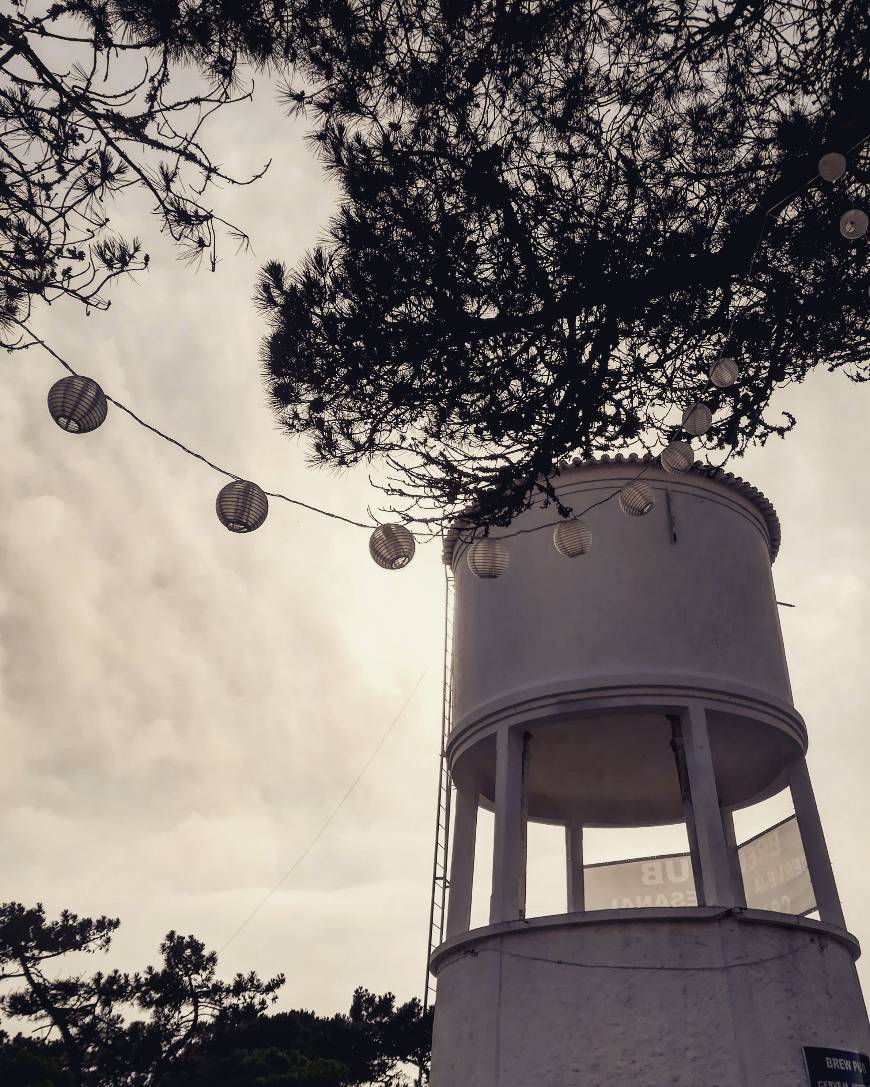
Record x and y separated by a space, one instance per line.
574 867
815 847
733 859
712 864
509 840
462 862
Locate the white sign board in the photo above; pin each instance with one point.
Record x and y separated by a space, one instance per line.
647 881
773 865
774 868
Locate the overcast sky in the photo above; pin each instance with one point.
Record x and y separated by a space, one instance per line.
181 707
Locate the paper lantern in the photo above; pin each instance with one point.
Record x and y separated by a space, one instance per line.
391 546
572 538
636 499
242 506
488 558
853 224
832 166
724 372
677 457
77 404
697 419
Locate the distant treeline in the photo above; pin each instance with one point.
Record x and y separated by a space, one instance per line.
177 1023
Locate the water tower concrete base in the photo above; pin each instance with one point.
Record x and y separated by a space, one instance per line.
700 997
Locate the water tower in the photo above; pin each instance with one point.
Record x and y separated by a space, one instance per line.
641 684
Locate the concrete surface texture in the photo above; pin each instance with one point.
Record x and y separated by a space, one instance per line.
686 1001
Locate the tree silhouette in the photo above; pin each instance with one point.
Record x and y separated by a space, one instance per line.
178 1025
97 98
555 216
372 1044
117 1029
31 1062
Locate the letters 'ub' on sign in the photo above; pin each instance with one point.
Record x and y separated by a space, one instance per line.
836 1067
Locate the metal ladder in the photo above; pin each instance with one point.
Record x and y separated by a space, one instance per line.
440 881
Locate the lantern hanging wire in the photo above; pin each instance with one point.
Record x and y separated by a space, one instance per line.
392 546
241 506
488 559
77 404
572 538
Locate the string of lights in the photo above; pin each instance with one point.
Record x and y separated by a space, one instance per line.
79 405
82 407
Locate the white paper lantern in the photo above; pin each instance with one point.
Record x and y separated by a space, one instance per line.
241 506
853 224
391 546
832 166
697 419
488 559
77 404
677 457
572 538
724 372
636 498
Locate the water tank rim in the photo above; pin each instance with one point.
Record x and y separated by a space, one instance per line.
647 692
467 942
708 471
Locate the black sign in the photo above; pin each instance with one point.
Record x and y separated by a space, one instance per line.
837 1067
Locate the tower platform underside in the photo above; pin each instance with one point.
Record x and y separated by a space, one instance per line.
602 755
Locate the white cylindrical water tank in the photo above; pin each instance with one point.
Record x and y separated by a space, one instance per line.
673 605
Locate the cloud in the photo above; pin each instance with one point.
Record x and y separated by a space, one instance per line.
182 708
